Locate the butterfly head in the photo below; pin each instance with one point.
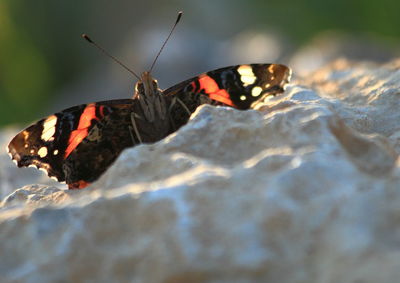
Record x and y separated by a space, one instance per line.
147 86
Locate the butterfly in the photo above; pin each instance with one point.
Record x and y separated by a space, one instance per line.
78 144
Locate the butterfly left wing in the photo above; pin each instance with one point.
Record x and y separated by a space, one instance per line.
239 86
236 86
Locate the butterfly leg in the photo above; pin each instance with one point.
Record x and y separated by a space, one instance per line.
175 100
134 128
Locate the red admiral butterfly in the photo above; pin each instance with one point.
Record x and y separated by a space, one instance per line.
78 144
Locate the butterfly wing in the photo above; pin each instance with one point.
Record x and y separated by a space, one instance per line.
238 86
78 144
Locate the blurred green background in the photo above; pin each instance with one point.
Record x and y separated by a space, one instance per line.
45 66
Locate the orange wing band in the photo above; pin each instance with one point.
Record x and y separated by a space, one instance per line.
213 91
78 135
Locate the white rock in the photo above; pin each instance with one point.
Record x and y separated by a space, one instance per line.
304 190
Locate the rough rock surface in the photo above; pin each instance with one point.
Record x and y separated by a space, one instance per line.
305 190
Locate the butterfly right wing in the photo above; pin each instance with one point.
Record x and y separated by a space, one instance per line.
77 144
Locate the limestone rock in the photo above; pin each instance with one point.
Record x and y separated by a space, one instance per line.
307 189
35 195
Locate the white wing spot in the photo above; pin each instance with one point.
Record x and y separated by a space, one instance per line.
55 152
255 91
242 97
245 70
49 128
42 151
248 80
246 75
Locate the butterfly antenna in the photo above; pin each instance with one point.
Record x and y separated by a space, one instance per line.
85 36
165 42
